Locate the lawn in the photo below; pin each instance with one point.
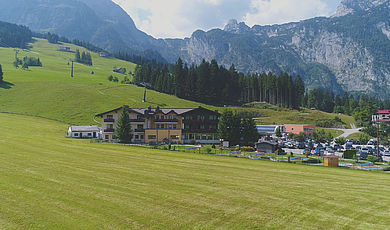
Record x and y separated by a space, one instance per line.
48 181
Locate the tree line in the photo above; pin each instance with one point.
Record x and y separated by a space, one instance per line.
83 58
26 62
211 83
14 36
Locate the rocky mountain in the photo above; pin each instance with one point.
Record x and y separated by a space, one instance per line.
349 51
100 22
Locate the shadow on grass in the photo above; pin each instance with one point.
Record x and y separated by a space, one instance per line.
6 85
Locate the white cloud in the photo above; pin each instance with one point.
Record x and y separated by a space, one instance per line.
264 12
179 18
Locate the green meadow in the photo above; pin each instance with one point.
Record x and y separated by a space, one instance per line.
48 181
50 92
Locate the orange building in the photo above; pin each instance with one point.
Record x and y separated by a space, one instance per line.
297 129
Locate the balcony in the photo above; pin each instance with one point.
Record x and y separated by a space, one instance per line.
166 120
109 130
201 121
199 130
111 120
137 120
139 130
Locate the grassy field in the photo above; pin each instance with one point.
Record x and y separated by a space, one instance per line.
268 115
48 181
50 92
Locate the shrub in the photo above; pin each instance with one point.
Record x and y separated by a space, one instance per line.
350 154
208 150
372 159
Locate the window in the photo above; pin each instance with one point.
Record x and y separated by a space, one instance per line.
76 134
174 126
90 134
142 137
107 137
110 126
139 117
110 116
170 117
140 126
174 137
202 127
204 137
157 117
174 117
136 137
197 137
190 136
170 126
162 126
152 137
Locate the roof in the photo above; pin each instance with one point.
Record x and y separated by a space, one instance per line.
384 111
142 111
91 128
266 128
267 142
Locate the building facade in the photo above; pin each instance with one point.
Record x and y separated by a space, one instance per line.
156 126
297 129
85 132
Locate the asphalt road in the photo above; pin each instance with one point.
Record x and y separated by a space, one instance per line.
347 132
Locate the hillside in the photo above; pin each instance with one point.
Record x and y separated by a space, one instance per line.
346 52
50 92
51 182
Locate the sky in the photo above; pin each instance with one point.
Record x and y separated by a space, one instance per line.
180 18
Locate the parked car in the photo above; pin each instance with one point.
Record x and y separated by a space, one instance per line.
364 153
319 151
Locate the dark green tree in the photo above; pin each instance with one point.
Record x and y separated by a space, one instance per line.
123 130
248 129
77 56
229 127
278 132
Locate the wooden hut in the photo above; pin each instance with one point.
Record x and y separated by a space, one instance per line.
331 161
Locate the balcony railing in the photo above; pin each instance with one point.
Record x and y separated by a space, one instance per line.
201 121
139 130
166 120
137 120
109 130
109 120
199 130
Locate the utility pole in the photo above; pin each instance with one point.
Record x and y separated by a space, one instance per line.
144 100
71 73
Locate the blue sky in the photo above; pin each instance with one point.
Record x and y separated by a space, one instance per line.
179 18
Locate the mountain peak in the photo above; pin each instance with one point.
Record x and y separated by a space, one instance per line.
351 6
234 27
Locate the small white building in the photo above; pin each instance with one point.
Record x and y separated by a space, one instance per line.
85 132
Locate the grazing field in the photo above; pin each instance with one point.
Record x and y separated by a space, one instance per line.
50 92
48 181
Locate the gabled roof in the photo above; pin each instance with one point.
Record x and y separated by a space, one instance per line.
92 128
151 111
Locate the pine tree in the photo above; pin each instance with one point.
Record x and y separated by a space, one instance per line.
1 74
77 56
123 130
248 129
229 127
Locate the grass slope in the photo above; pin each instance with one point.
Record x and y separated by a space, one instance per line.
50 92
269 115
51 182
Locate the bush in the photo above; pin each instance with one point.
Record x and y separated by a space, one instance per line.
372 159
247 149
312 161
350 154
208 150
